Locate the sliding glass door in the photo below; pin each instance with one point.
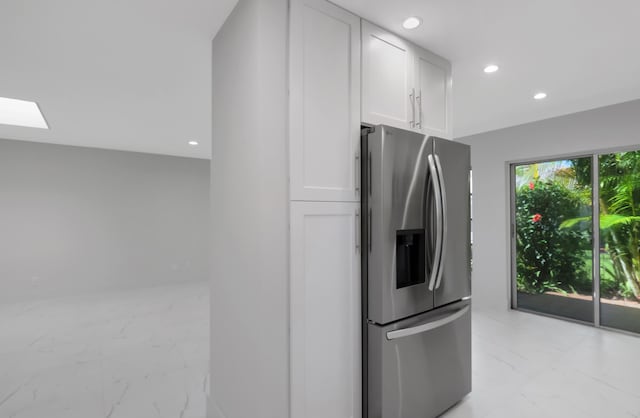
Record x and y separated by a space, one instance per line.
553 245
620 240
564 259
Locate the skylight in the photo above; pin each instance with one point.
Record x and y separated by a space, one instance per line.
21 113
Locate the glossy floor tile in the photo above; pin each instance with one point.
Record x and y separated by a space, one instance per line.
526 365
129 354
144 353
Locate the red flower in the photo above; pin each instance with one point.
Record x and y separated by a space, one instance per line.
536 218
532 186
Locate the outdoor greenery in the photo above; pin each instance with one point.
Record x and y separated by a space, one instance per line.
550 258
619 222
553 226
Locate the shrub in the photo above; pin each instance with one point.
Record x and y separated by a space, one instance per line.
550 258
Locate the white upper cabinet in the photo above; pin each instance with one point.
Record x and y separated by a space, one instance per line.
325 310
386 78
433 94
404 85
324 102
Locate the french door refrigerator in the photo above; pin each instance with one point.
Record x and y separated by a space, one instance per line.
416 273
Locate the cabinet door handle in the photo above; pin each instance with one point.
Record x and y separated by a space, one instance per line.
357 175
358 237
412 98
419 100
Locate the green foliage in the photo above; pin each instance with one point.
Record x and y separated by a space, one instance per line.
619 221
550 258
606 221
620 196
554 250
613 285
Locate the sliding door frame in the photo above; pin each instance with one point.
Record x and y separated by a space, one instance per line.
513 289
595 236
595 224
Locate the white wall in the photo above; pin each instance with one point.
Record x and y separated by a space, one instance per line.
76 220
607 127
249 189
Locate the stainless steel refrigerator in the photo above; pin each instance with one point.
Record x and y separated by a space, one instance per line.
416 273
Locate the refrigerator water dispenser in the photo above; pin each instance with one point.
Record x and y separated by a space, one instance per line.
410 258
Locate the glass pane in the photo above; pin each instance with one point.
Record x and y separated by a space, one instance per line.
620 240
553 238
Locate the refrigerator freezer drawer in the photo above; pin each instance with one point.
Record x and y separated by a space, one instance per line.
420 367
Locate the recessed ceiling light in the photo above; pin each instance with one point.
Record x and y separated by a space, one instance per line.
412 22
193 143
491 68
21 113
540 96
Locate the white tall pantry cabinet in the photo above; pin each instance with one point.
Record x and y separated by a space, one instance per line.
324 91
286 189
341 73
325 310
324 142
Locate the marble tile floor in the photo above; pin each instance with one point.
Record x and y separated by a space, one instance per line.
143 354
529 366
126 354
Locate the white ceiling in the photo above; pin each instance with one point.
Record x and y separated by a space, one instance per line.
135 74
583 53
121 74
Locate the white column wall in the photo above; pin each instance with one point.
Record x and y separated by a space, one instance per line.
250 218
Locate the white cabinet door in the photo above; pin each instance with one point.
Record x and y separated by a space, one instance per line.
324 102
387 78
325 310
433 97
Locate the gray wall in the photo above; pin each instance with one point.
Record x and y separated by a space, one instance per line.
249 183
76 220
607 127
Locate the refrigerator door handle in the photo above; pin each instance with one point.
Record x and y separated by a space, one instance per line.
369 229
369 172
429 326
444 227
435 178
